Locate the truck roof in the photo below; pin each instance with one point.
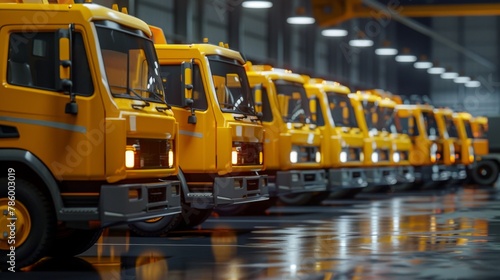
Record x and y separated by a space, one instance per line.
204 50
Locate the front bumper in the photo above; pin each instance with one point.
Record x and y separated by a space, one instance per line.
405 174
458 172
231 190
432 173
346 178
381 176
297 181
135 202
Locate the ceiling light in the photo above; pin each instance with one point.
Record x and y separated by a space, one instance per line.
461 79
448 75
300 20
386 49
334 32
361 43
422 63
473 84
405 56
436 69
257 4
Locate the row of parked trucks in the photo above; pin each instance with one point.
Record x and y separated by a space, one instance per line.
102 122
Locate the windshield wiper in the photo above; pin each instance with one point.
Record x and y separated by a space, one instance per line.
139 106
159 97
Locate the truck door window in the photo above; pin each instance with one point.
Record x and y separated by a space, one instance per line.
267 114
468 129
32 62
294 104
430 124
172 85
342 110
451 128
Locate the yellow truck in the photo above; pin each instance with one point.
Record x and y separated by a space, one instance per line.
344 145
401 142
86 137
452 143
221 137
487 152
428 154
294 145
378 146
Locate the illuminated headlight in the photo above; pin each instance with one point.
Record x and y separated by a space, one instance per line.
471 154
318 157
234 157
170 158
452 153
375 157
361 156
294 156
343 156
261 157
129 158
395 157
132 156
433 152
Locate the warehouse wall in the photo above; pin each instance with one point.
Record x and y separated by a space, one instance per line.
480 35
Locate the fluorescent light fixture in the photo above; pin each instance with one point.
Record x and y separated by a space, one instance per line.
361 43
386 51
405 58
473 84
436 70
334 32
300 20
257 4
422 64
449 75
461 79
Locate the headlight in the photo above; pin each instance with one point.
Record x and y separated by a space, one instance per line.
261 157
361 156
129 158
234 157
452 153
318 157
433 152
294 156
343 156
395 156
170 158
471 154
375 157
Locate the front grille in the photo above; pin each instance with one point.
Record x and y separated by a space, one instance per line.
352 154
157 194
383 155
253 184
151 153
248 153
306 153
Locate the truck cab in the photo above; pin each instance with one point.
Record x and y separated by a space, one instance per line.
451 143
467 156
85 133
344 146
378 147
428 153
221 137
294 152
485 171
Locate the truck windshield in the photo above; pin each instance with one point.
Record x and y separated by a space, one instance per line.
468 129
450 127
342 111
293 102
231 86
430 124
386 121
370 110
130 62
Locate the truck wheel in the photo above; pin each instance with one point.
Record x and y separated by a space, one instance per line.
485 173
157 226
35 226
192 217
72 242
297 199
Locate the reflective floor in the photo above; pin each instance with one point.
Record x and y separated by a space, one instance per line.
451 233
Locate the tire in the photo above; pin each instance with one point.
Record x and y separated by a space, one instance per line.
36 224
192 217
485 173
72 242
157 226
298 199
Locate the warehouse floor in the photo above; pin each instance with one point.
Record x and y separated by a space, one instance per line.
449 233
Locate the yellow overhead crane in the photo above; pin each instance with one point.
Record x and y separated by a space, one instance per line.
333 12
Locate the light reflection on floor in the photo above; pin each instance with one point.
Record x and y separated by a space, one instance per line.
451 233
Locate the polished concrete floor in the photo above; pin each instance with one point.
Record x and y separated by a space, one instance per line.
449 233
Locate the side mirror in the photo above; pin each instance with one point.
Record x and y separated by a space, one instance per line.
258 98
65 40
313 108
187 83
